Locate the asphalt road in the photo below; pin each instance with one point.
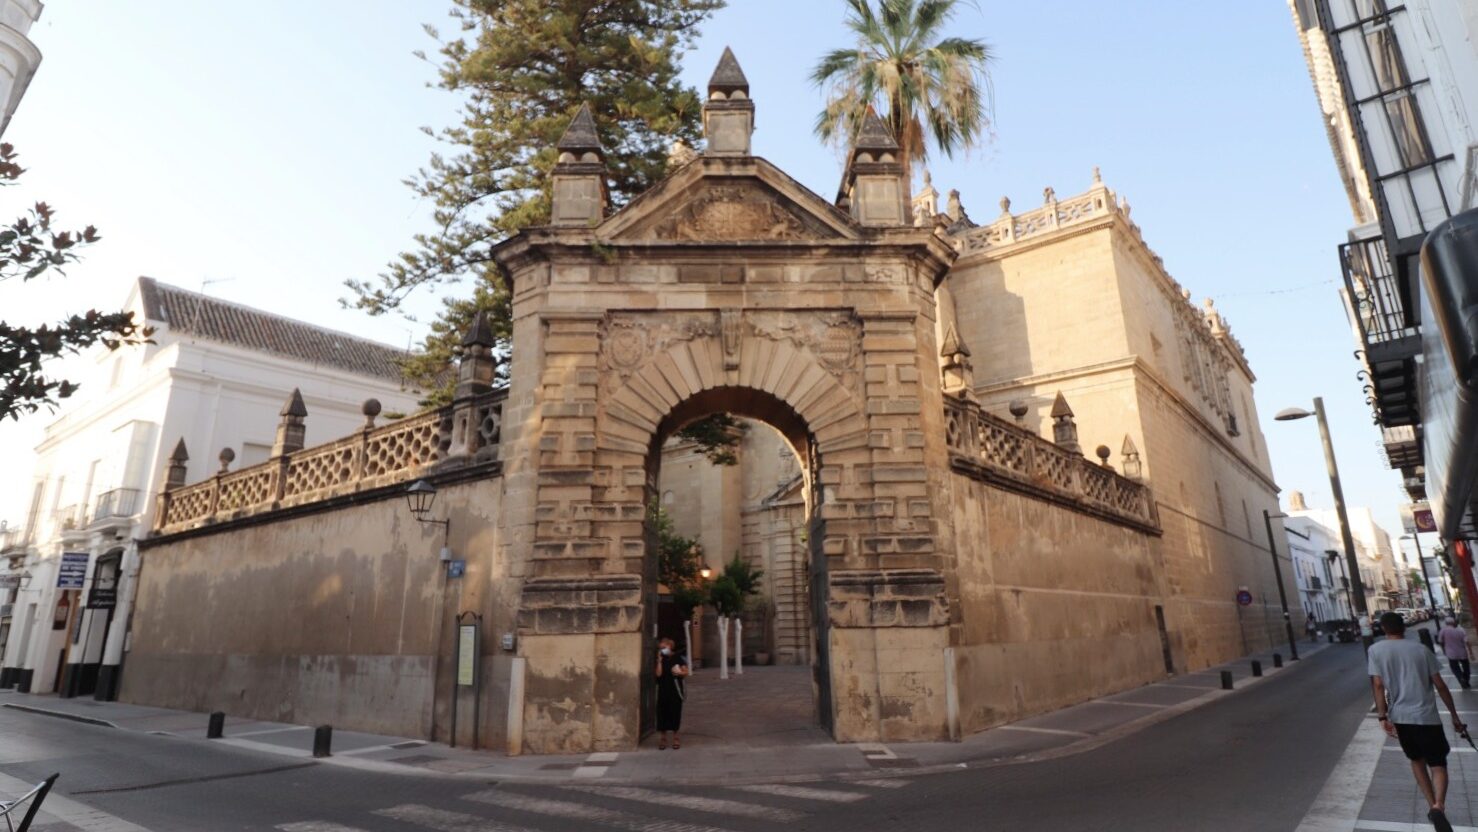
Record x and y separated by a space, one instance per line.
1254 760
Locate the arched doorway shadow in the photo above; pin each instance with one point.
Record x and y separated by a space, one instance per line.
771 703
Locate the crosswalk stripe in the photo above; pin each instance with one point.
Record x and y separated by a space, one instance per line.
317 826
882 784
444 821
711 805
803 793
585 812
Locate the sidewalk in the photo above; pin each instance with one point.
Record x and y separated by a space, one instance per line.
803 755
1373 790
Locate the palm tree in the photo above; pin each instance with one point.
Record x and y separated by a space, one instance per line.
927 86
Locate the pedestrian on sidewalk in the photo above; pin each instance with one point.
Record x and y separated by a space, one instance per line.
671 670
1454 641
1403 677
1311 628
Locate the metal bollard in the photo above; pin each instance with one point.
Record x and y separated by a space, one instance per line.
1226 680
1256 667
1277 660
217 727
323 736
1331 638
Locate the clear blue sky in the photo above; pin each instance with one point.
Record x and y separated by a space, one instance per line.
263 146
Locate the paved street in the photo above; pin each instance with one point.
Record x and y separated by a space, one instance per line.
1253 760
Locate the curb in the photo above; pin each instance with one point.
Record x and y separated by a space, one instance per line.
90 720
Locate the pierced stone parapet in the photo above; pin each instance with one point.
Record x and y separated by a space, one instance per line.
992 449
399 452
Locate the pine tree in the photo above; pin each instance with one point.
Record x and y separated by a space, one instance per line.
525 67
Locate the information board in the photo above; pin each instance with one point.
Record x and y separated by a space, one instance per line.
466 655
72 572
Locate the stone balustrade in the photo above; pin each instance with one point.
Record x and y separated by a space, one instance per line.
1010 456
375 457
1010 228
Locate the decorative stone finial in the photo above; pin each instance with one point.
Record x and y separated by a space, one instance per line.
580 137
1005 205
580 194
956 365
1064 429
1132 467
1097 177
873 189
370 409
728 114
476 365
1102 452
954 208
679 154
226 457
174 473
290 428
1049 196
925 202
1018 410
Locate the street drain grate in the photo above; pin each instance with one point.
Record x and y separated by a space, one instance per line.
559 767
411 744
417 759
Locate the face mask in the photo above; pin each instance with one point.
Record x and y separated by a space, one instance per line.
667 651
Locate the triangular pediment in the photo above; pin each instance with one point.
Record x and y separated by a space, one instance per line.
723 201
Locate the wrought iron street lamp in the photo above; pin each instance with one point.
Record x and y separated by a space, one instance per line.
419 496
1357 587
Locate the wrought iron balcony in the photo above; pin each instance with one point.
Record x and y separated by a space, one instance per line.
1384 309
1315 582
118 503
70 518
13 541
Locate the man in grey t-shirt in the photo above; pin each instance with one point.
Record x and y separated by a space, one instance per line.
1403 677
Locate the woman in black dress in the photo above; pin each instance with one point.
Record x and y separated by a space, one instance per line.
671 670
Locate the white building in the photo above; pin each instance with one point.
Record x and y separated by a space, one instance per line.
1323 589
1397 86
18 56
1381 571
215 378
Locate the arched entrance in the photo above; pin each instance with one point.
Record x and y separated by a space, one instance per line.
772 702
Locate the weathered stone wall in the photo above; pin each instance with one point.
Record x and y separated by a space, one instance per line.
1056 607
341 616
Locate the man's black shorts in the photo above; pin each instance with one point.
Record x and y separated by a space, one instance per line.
1424 742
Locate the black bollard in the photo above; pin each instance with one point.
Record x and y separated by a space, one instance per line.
1256 667
1277 660
1226 680
217 727
323 736
1331 638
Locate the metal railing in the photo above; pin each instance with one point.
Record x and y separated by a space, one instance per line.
1376 297
70 518
120 502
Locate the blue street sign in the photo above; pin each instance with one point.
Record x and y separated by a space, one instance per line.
72 572
456 568
1244 598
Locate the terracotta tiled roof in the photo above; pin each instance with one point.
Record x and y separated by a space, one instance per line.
190 313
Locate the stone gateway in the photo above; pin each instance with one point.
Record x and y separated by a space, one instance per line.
948 550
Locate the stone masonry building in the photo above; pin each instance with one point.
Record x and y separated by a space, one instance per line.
961 569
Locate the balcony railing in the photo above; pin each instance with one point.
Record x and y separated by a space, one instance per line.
120 502
13 539
1316 583
1380 302
70 518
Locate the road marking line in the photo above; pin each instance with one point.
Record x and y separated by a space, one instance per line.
603 757
584 812
1338 805
264 746
1393 826
883 784
802 793
317 826
444 821
876 751
78 814
1034 730
711 805
1453 749
1129 704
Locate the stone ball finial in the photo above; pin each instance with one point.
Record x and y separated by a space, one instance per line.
1018 409
370 409
1102 452
227 456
